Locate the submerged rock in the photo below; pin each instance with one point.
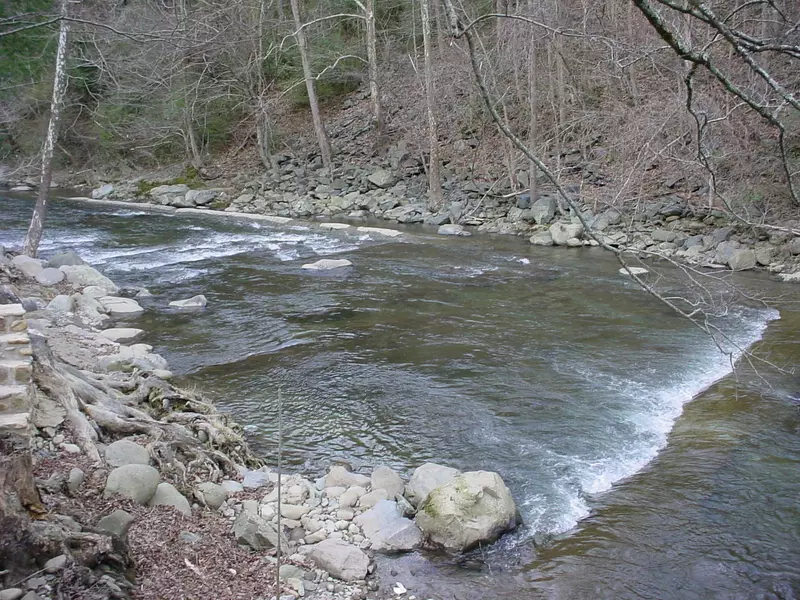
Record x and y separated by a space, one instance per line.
453 230
633 271
327 264
475 507
198 301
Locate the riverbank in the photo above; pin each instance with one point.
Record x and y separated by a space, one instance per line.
673 227
164 488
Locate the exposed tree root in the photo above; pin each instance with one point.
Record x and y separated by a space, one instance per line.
187 436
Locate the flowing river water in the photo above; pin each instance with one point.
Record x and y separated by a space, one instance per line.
643 464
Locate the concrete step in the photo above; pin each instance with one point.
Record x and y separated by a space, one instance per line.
19 422
14 398
15 371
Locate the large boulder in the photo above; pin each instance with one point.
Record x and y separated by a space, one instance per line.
167 495
84 275
200 197
543 210
474 508
427 478
62 303
138 482
387 528
172 195
126 452
257 533
542 238
68 258
342 560
563 232
609 218
387 479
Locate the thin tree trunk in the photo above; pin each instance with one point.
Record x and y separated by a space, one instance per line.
262 118
319 126
372 59
435 199
533 126
31 244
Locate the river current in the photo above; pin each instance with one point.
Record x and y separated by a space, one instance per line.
643 464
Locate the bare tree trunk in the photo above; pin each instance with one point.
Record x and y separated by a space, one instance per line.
36 227
319 126
533 126
435 199
372 59
262 118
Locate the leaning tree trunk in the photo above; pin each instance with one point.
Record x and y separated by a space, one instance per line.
36 228
319 126
436 199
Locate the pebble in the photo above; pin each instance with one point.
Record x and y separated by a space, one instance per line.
70 448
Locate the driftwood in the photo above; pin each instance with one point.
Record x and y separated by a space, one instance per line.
187 436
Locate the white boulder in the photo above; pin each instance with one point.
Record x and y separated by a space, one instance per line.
327 264
427 478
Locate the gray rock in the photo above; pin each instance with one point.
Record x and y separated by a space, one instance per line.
116 524
563 232
382 179
764 256
193 302
694 240
253 480
794 246
121 307
327 264
474 508
543 210
213 495
342 560
523 201
664 235
84 275
742 259
55 564
542 238
62 303
287 571
338 476
138 482
633 271
253 531
387 479
126 452
608 219
167 495
68 258
104 191
453 230
387 528
200 197
725 251
170 195
32 304
721 235
11 594
49 277
30 266
122 335
232 487
427 478
75 480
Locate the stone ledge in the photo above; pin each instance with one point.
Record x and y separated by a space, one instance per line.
15 422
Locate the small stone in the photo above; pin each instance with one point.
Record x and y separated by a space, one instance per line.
327 264
194 302
55 564
633 271
71 448
75 480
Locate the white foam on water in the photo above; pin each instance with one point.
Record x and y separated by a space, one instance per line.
654 414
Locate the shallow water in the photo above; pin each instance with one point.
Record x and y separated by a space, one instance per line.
543 364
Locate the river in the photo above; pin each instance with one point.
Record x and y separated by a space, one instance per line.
643 465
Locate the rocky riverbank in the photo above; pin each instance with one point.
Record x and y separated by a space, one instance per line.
142 490
675 226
